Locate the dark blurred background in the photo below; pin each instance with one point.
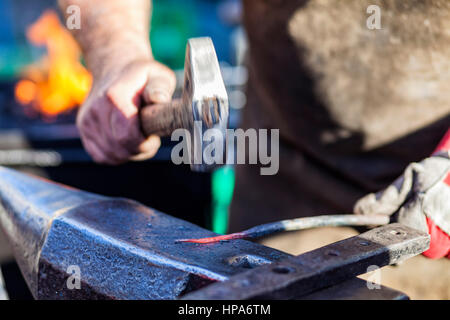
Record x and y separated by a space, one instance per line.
39 96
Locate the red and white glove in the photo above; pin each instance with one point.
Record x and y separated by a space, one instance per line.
421 197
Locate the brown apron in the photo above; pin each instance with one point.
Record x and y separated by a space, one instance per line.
354 106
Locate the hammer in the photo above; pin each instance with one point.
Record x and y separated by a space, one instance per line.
203 104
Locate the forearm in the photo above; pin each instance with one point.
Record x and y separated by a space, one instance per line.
112 33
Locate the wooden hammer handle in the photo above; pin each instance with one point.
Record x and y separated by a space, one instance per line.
163 119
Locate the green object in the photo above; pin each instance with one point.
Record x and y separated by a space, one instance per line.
173 22
222 193
13 58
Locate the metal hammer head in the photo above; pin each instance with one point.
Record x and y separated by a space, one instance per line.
205 96
203 106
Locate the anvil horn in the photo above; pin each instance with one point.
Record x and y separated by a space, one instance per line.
28 207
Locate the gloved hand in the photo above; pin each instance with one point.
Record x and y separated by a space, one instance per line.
421 197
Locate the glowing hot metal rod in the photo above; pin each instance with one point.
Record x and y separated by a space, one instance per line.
297 224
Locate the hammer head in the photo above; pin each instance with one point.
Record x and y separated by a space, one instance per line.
206 99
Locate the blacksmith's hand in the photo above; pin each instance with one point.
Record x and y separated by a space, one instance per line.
420 198
108 120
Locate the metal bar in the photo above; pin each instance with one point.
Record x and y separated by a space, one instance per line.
322 267
298 224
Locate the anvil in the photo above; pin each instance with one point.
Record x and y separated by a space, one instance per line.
120 249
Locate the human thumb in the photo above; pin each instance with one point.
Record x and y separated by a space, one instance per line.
389 200
159 89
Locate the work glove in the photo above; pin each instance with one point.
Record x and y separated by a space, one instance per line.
420 198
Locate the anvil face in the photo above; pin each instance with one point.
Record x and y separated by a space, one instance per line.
122 249
128 251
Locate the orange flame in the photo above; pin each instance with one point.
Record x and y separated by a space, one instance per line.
58 82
